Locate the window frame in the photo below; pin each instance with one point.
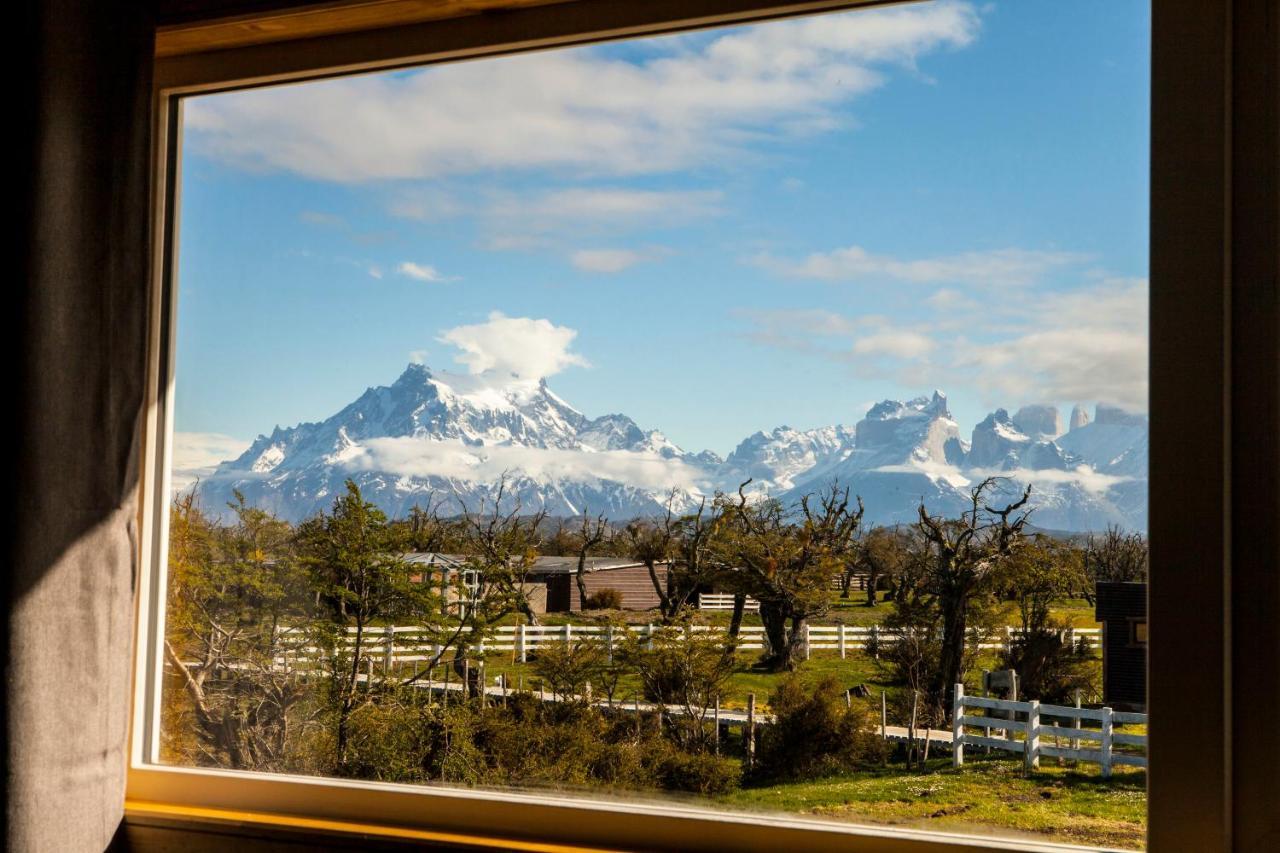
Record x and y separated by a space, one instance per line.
1192 327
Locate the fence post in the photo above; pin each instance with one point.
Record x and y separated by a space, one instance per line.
1106 743
389 655
806 640
648 633
884 717
608 641
568 633
841 641
875 641
751 730
520 644
1031 746
717 723
957 728
1075 741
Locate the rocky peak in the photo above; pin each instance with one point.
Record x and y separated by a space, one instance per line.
1079 417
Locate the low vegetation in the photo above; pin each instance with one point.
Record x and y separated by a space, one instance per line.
275 655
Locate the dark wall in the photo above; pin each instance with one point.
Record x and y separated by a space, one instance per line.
1124 665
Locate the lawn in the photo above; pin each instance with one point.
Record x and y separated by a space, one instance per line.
985 796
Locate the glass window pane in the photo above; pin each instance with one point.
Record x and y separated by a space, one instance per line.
753 417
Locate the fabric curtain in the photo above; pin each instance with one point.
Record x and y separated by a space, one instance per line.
78 328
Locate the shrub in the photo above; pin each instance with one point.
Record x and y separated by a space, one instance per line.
1050 668
815 733
568 667
698 772
604 599
685 668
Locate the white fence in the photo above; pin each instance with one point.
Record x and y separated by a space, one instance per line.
1035 723
724 601
416 644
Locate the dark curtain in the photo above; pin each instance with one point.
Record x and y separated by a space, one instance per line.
78 332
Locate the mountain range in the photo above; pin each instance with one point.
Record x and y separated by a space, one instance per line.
450 440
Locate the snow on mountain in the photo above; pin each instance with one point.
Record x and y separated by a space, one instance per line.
775 459
435 436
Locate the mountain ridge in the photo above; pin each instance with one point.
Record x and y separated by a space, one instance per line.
434 435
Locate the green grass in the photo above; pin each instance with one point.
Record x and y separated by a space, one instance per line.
985 796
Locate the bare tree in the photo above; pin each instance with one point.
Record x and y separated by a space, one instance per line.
502 545
787 559
961 553
592 533
1115 556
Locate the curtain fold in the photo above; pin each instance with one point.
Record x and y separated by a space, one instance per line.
78 330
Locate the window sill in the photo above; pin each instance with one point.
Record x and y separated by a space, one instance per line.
344 811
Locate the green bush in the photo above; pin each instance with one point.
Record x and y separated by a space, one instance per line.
815 733
698 772
605 599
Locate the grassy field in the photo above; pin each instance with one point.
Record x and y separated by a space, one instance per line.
986 796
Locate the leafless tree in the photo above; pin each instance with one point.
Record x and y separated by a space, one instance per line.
1114 556
961 553
592 532
787 557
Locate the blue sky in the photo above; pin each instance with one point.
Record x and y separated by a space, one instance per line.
726 231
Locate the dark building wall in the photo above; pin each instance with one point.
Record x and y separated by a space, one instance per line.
1124 664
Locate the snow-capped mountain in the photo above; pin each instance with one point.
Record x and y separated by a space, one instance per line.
441 437
434 436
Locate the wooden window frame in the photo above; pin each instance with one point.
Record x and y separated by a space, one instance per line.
1213 115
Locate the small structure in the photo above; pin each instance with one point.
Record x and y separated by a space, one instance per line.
629 577
1122 610
550 584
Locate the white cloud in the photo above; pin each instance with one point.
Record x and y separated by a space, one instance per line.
605 260
994 267
612 204
422 457
1041 479
690 100
898 343
1086 344
419 272
1089 344
196 454
514 346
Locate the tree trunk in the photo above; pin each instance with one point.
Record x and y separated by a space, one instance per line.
951 660
664 597
774 617
873 580
735 621
581 577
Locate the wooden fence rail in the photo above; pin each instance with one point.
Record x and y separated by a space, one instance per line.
1041 721
416 643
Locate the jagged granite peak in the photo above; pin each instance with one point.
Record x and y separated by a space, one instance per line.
1079 417
1039 421
774 459
997 442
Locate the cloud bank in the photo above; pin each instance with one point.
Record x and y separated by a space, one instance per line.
686 101
421 457
196 454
